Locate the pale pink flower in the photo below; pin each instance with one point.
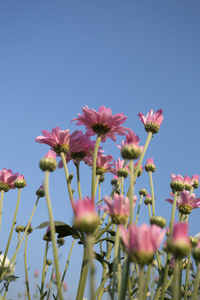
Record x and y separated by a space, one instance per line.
131 148
178 178
118 208
57 139
7 179
101 122
119 164
86 218
195 179
142 242
156 118
185 202
150 161
104 163
51 154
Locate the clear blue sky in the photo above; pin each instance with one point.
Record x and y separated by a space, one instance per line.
131 56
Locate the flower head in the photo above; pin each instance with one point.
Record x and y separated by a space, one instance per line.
152 121
104 164
195 179
40 192
131 148
7 179
118 208
101 122
142 242
120 170
177 183
57 139
86 219
48 162
150 167
179 243
20 182
185 202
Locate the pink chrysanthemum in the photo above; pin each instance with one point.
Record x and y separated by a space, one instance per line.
142 242
104 164
7 179
185 202
131 148
101 122
57 139
120 170
152 121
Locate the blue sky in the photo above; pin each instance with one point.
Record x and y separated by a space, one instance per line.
131 56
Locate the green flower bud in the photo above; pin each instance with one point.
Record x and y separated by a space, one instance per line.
114 181
196 184
152 127
130 152
20 183
100 171
143 192
46 238
196 253
123 172
101 179
150 168
40 192
177 186
19 228
158 220
48 164
4 187
60 241
48 262
61 148
193 241
185 209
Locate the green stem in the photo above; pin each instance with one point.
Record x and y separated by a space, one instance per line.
83 275
138 210
149 209
26 269
117 238
131 164
124 277
102 231
51 280
44 268
11 231
196 284
173 214
122 185
52 231
147 280
68 179
78 179
175 291
187 276
1 206
90 244
141 282
100 291
98 140
152 193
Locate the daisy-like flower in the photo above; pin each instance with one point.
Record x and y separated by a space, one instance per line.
57 139
188 182
185 202
150 167
104 164
118 208
20 182
131 148
195 179
48 162
177 183
7 179
102 122
120 169
142 242
152 121
86 218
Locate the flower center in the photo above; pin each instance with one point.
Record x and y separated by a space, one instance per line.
80 155
61 148
100 128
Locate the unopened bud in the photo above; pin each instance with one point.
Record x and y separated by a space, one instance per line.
158 220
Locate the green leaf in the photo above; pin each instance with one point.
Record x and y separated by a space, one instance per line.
42 297
62 229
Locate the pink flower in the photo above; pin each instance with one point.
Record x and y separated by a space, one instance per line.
7 179
20 182
179 243
156 118
57 139
150 167
103 164
102 122
131 148
142 242
64 286
36 273
80 147
86 219
50 154
185 202
195 179
118 208
119 166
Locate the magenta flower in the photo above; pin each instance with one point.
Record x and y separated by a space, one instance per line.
57 139
101 122
152 121
86 219
131 148
142 242
103 164
185 202
179 243
7 179
118 208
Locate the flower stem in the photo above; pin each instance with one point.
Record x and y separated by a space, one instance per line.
98 140
141 282
68 179
152 193
26 269
11 231
44 268
147 280
1 206
117 238
196 285
138 210
78 179
176 290
124 278
52 231
131 164
187 276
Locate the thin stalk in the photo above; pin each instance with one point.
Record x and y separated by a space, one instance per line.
84 273
44 268
51 280
19 245
176 290
11 230
117 238
68 180
90 244
149 209
122 185
97 237
52 231
187 276
141 282
131 164
119 270
1 206
147 280
152 193
78 179
98 140
196 284
100 288
26 269
138 210
124 278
